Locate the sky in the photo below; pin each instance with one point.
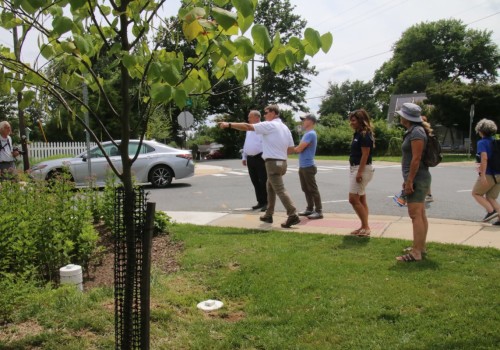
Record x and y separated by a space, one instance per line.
364 32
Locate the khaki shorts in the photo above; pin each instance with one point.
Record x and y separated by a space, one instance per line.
421 187
491 190
360 187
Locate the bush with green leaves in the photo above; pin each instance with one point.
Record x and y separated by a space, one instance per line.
44 227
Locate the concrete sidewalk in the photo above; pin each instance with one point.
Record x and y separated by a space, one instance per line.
440 230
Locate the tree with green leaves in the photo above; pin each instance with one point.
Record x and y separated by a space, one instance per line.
80 32
348 96
289 86
434 52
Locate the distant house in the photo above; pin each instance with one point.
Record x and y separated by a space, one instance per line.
398 100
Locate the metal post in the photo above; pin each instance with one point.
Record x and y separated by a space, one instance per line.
146 274
85 93
471 113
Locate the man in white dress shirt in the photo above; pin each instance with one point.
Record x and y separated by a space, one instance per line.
252 159
277 143
7 152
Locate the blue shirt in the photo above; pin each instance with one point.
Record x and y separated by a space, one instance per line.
306 157
484 145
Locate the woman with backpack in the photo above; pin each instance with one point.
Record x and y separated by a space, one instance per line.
487 186
417 179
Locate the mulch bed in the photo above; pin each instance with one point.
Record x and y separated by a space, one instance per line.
100 272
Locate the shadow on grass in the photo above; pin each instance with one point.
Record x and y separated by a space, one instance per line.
415 266
351 242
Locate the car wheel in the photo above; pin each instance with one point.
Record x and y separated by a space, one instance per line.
58 174
161 176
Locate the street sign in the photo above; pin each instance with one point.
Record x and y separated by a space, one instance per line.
185 119
471 112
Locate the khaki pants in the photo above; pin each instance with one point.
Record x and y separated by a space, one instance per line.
275 187
308 184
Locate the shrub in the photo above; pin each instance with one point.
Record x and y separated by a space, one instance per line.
162 221
334 141
387 138
44 227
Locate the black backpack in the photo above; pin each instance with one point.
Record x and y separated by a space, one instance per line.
494 160
432 154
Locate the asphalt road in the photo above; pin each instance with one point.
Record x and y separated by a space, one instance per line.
233 191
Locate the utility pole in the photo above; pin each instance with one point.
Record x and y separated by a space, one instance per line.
20 111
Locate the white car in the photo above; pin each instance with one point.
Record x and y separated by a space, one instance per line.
157 164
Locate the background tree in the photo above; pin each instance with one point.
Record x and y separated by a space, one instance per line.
451 103
348 96
289 86
434 52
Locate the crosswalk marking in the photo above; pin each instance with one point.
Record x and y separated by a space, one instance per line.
321 168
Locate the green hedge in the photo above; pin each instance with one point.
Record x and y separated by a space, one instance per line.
337 140
44 227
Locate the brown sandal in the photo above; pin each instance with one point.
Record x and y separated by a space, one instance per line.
364 233
356 232
407 258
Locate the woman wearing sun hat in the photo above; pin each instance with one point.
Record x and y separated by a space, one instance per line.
416 176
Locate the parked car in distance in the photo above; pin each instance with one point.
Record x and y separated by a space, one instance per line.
156 163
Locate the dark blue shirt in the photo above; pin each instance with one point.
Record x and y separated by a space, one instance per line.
359 140
485 145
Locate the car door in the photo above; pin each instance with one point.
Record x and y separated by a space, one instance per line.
141 166
101 169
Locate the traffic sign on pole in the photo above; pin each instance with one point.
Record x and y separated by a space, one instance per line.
185 119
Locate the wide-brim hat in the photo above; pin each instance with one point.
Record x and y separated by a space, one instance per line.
411 112
310 117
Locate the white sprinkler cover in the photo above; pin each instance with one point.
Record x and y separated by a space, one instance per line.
210 305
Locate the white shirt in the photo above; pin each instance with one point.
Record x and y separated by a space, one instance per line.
276 138
6 149
253 144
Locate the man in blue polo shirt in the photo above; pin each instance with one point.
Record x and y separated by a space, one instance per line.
307 168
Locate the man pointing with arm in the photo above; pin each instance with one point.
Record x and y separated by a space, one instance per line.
277 143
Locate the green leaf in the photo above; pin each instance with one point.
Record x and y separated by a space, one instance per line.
68 46
326 42
244 47
261 38
180 97
47 51
277 59
161 93
28 97
245 22
171 74
8 21
192 30
313 40
245 7
194 14
76 4
241 72
128 61
225 18
83 45
61 25
34 79
18 86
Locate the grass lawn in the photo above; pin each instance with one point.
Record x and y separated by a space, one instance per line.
284 290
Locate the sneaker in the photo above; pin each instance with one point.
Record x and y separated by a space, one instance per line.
429 198
306 212
400 199
264 208
292 220
266 218
257 206
490 216
316 215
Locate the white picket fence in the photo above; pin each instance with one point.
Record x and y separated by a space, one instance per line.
39 150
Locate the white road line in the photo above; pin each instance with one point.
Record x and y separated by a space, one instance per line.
219 175
293 169
461 191
337 201
236 173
